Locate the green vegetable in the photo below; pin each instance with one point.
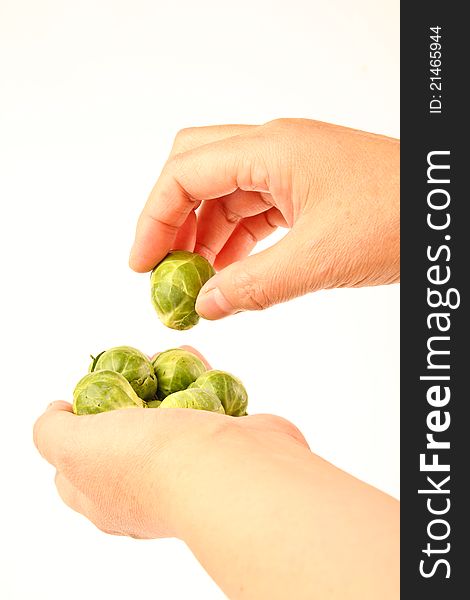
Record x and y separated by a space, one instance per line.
193 398
176 282
101 391
175 370
228 388
133 365
154 403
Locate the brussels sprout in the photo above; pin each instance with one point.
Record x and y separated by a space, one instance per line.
193 398
228 388
176 281
133 365
175 369
154 403
101 391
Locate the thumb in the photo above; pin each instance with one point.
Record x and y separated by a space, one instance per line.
272 276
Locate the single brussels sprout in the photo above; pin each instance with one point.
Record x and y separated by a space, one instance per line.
102 391
153 403
175 370
176 281
193 398
133 365
228 388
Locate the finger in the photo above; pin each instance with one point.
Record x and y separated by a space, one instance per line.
247 234
217 219
186 236
204 173
193 137
79 502
60 405
198 354
69 494
185 140
261 280
55 431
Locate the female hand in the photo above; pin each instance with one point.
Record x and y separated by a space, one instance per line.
128 471
336 189
120 468
264 516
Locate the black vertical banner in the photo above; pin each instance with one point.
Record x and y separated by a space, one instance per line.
435 270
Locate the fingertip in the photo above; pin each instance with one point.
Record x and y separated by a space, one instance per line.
131 261
52 428
213 305
147 251
136 263
60 405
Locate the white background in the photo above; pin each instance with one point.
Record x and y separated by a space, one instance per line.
91 95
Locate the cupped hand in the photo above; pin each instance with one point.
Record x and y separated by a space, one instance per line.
225 188
129 471
265 516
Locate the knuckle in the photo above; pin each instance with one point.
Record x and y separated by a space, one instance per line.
174 165
282 125
217 429
291 430
251 236
205 251
176 170
185 139
279 122
270 217
288 123
278 425
253 173
267 202
182 137
229 215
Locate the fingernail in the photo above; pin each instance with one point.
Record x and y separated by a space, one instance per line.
213 305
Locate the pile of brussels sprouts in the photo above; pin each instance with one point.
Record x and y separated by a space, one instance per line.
124 377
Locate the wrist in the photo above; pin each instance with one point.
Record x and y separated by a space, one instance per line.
214 473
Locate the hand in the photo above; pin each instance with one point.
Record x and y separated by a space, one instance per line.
337 189
263 515
128 471
119 468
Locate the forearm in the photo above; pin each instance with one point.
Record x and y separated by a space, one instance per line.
285 523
